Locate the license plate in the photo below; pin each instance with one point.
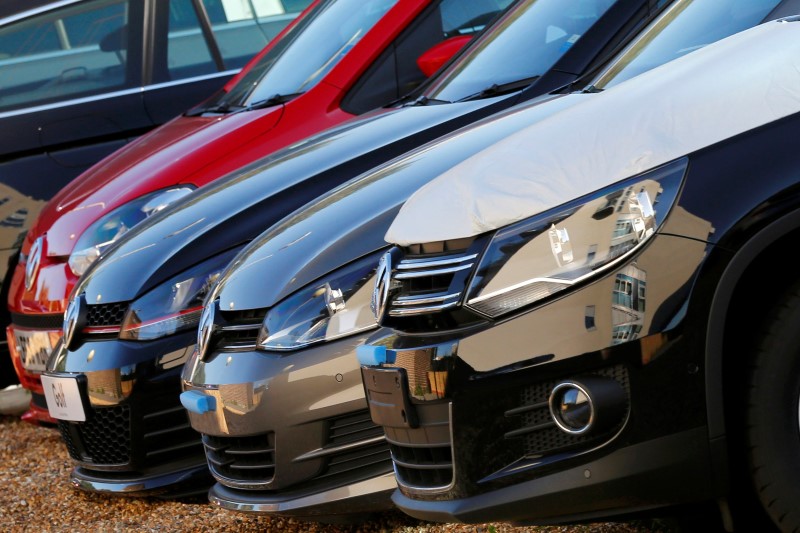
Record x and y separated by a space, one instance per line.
388 398
63 397
33 348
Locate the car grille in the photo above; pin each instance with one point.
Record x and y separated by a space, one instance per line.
536 427
114 437
106 314
247 459
355 445
423 457
51 322
239 330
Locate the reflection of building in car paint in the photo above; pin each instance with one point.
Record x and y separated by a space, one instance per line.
627 305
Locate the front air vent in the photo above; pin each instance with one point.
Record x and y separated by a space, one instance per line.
242 459
239 330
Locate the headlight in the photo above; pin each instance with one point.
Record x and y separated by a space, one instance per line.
175 305
334 307
108 229
540 256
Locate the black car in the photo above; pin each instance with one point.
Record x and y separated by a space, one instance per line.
136 434
605 342
287 315
79 79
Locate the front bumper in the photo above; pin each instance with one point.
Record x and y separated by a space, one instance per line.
136 438
290 433
29 348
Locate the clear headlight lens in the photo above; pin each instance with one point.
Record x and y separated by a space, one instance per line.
175 305
336 306
108 229
540 256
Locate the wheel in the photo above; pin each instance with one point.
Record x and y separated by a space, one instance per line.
773 414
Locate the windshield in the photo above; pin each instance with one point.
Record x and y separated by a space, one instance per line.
310 49
523 45
686 26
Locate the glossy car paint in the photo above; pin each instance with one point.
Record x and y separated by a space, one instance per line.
241 206
190 149
44 147
693 368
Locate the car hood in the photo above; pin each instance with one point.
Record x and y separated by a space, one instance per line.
166 156
671 111
237 208
349 222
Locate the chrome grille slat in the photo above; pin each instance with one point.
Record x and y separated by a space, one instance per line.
421 310
434 262
424 299
427 273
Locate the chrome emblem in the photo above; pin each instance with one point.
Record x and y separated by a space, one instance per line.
383 280
32 266
71 317
205 328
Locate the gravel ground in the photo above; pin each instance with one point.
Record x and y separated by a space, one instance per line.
36 496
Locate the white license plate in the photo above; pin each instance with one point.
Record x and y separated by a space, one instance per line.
33 347
63 398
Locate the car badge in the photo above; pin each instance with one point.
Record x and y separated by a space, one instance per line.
205 328
32 265
383 280
71 318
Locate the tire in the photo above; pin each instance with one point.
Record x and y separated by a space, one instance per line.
773 414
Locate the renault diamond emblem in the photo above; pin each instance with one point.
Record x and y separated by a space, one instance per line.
383 280
32 266
72 317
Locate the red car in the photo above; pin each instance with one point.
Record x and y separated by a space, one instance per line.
340 59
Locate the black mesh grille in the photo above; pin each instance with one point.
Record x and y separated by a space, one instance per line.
38 321
103 439
106 314
540 434
242 458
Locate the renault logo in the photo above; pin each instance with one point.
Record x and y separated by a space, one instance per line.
73 319
383 280
32 266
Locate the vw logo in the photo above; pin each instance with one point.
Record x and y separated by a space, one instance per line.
383 280
205 328
32 266
72 318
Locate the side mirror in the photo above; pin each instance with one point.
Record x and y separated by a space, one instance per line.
437 55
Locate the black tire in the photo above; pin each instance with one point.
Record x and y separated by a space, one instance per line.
773 414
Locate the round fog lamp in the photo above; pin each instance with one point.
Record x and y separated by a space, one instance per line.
588 404
571 408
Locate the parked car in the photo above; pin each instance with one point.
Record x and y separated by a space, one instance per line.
150 331
80 79
330 66
601 340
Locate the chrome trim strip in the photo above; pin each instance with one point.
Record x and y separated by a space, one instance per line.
324 452
427 273
115 94
553 281
411 489
422 310
436 261
240 327
424 299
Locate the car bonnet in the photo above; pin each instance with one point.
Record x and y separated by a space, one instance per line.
235 209
350 221
729 87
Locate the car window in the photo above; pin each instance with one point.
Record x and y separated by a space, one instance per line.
240 29
397 72
685 26
75 51
532 38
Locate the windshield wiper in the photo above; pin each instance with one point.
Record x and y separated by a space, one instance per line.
500 88
275 99
224 108
424 100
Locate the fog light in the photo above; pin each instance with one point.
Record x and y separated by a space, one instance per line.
591 404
